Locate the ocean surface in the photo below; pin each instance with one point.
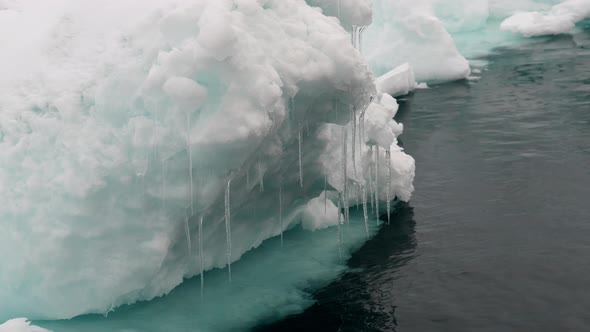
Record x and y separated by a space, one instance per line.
497 234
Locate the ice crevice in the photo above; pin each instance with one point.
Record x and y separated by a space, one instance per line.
189 130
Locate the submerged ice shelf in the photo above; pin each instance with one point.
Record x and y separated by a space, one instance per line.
268 283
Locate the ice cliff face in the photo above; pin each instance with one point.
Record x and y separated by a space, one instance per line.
124 124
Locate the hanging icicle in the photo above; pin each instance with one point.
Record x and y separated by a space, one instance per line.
377 183
360 38
300 162
260 177
325 194
347 208
365 214
339 226
228 225
357 193
388 165
281 213
361 133
187 233
201 255
344 175
354 36
371 177
190 158
353 146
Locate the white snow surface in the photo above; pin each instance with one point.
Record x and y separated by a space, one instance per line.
121 119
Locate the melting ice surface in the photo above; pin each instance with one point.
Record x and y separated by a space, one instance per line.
123 124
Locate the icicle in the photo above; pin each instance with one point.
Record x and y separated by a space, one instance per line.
111 309
291 115
371 174
300 163
228 226
357 187
360 38
260 177
344 175
361 132
365 214
353 35
338 10
190 157
388 165
281 212
248 178
377 183
201 255
339 227
164 173
187 232
325 194
353 116
347 210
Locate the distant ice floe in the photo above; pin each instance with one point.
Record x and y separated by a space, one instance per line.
561 18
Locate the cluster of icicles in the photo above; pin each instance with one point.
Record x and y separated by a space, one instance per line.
369 197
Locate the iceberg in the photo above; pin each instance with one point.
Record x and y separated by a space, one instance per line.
561 18
123 124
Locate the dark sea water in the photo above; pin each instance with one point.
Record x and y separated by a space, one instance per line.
497 234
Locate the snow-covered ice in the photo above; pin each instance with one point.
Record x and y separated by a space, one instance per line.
561 18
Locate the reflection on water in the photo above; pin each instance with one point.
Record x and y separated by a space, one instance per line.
502 233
